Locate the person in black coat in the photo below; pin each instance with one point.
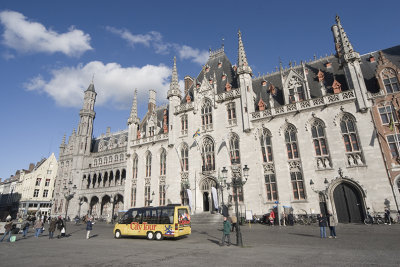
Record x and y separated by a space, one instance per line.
322 225
60 227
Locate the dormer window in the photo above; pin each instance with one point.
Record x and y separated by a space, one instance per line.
261 105
296 90
264 83
337 87
188 98
207 68
219 64
390 81
223 77
228 87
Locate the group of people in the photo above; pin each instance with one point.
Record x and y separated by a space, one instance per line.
327 221
38 226
54 223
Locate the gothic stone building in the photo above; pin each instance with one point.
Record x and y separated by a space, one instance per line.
305 133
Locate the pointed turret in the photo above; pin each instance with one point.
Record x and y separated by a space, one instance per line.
350 61
343 46
133 118
174 98
91 87
246 86
174 86
243 66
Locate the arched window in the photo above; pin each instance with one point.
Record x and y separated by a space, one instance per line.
349 133
135 166
208 154
390 81
266 146
148 164
163 162
162 195
291 142
297 185
319 139
185 158
234 149
231 108
206 113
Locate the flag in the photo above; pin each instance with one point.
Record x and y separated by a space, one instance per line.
391 123
197 133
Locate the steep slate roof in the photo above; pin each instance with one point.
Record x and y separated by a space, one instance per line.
313 67
213 64
96 142
368 68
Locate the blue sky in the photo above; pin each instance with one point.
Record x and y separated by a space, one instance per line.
50 50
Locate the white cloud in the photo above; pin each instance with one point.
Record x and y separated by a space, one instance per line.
155 40
187 52
27 36
113 83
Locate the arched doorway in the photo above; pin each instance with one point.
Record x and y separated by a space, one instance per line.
348 203
208 202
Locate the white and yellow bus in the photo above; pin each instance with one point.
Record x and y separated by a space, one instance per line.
155 222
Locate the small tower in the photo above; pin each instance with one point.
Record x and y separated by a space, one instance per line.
350 60
174 98
87 115
133 120
244 73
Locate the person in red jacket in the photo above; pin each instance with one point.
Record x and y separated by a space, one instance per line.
272 217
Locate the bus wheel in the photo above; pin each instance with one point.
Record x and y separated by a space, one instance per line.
150 235
159 236
117 234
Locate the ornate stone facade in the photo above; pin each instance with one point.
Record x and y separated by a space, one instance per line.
314 120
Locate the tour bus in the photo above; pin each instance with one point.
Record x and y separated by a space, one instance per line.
155 222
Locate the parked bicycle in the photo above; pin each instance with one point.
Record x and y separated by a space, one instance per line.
375 219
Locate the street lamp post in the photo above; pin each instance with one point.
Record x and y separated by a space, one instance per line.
324 192
237 182
222 183
68 195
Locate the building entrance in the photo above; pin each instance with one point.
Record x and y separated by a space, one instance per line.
348 203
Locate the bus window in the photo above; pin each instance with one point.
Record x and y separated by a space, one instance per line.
137 216
183 216
127 218
167 216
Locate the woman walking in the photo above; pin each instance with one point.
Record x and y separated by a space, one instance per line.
89 227
38 228
52 227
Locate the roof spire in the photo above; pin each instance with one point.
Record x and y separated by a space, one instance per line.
342 43
174 86
133 118
243 66
63 140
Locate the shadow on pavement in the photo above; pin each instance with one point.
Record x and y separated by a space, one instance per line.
213 241
304 235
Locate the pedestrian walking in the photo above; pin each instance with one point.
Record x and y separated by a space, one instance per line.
332 225
7 228
60 227
290 218
322 225
387 217
38 227
234 222
25 229
89 227
226 232
52 227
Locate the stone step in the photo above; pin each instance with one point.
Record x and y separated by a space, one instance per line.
207 218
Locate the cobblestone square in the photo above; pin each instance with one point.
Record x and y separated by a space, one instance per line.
356 245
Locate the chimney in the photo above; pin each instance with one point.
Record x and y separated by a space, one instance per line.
188 82
31 167
152 101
